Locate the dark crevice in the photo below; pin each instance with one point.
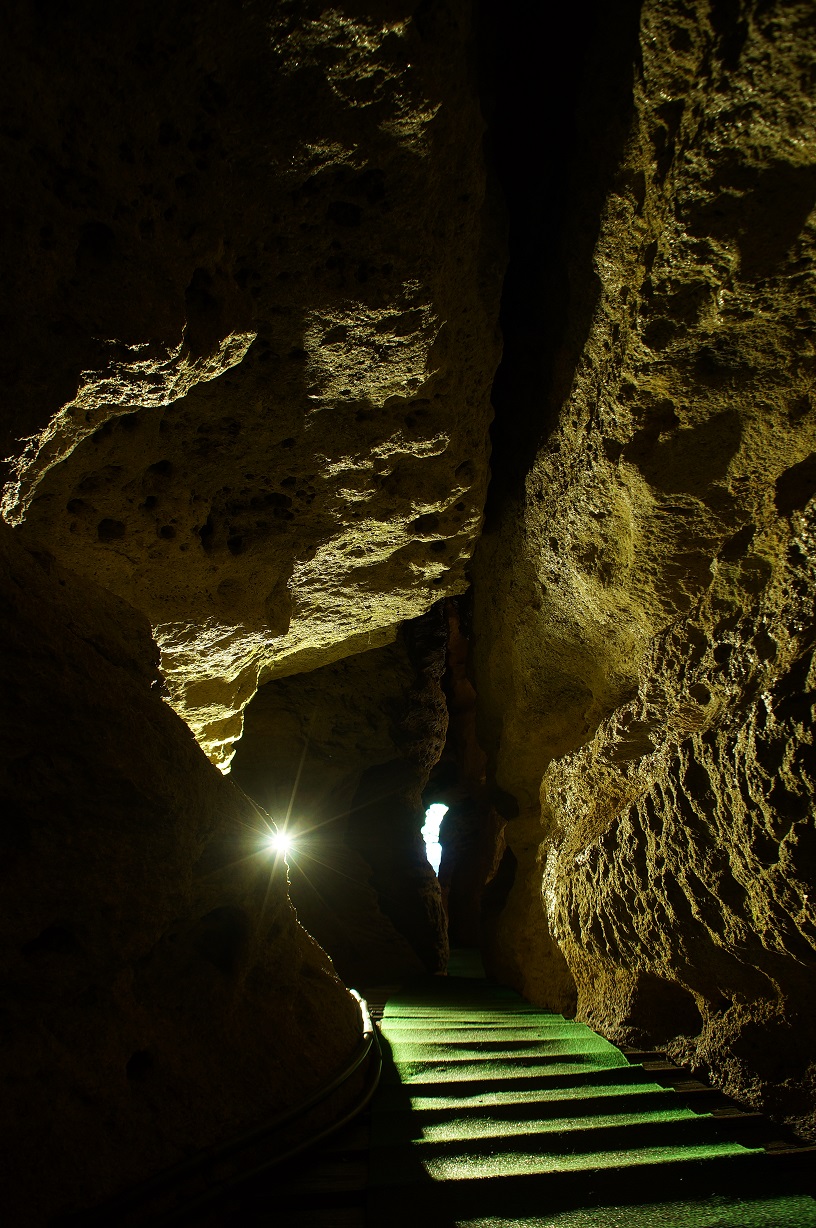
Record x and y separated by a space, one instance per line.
557 88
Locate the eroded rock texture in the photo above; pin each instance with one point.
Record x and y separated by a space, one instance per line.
251 290
254 285
254 326
340 757
646 594
158 992
471 831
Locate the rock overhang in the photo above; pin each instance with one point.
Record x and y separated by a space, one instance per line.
295 462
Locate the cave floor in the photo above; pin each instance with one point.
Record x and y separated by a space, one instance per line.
493 1112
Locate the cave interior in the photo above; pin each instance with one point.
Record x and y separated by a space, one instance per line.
406 405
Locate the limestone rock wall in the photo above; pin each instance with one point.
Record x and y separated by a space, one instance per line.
158 993
340 756
251 276
255 284
680 865
470 834
644 596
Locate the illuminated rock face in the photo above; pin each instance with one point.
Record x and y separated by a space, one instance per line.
255 325
345 752
158 992
252 292
644 614
255 297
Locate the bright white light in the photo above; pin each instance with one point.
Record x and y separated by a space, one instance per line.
430 834
279 843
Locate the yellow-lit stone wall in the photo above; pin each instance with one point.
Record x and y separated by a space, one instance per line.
644 611
158 993
256 287
250 299
253 284
341 755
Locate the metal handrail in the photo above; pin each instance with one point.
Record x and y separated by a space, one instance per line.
123 1204
204 1200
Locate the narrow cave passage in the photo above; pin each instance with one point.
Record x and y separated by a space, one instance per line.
493 1111
271 498
434 815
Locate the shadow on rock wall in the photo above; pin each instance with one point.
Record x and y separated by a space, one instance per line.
254 245
346 751
644 600
158 992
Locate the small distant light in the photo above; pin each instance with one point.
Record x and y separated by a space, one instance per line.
430 834
278 842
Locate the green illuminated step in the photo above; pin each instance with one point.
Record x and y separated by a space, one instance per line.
492 1113
444 1049
465 1081
471 1163
701 1195
457 987
508 1068
479 1002
796 1211
462 1029
520 1099
460 1001
614 1134
460 1006
492 1123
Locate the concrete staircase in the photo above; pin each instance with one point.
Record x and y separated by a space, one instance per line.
492 1112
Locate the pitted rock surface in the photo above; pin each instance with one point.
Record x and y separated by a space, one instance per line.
158 994
265 278
339 758
648 594
682 840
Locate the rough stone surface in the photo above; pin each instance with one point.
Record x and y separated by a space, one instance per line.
340 757
648 595
246 354
254 327
158 992
470 834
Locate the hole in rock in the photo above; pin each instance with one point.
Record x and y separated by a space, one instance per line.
430 833
221 938
97 244
139 1066
55 940
110 530
206 533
